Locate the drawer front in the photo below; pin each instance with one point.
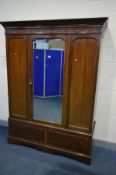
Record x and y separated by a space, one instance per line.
26 132
69 142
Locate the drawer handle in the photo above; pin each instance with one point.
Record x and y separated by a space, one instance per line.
52 136
38 137
14 128
80 143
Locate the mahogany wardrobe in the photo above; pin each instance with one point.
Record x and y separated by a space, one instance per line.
52 72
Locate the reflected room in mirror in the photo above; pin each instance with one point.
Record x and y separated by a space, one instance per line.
48 73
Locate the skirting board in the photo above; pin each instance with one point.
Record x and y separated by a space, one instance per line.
105 144
97 142
3 123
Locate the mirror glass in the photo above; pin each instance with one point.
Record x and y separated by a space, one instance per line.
48 73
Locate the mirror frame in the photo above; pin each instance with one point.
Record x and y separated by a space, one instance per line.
66 77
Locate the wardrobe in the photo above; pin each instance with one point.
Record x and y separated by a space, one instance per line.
72 134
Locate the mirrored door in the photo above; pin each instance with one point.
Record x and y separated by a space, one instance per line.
48 77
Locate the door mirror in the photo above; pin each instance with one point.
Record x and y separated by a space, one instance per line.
48 73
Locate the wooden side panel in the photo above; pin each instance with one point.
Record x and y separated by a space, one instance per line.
83 80
17 65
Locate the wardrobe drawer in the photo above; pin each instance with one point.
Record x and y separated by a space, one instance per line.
69 142
26 132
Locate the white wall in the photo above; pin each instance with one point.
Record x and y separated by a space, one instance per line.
105 105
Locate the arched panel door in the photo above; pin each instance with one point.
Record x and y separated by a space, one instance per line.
17 68
84 61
